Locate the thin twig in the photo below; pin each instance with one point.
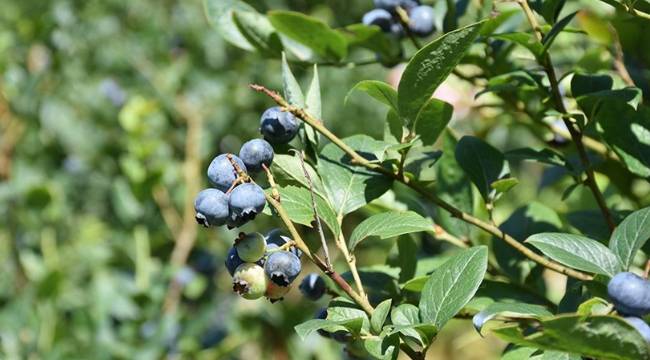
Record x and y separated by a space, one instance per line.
356 158
576 134
319 226
169 213
619 60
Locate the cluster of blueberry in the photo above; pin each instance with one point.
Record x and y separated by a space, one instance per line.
630 294
260 265
386 16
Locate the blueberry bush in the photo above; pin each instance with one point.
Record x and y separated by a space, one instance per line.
378 179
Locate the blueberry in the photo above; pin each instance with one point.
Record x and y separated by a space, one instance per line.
203 262
379 17
211 207
256 152
249 281
276 238
250 247
421 20
276 292
277 126
641 326
397 30
222 173
235 221
233 260
213 336
312 286
391 5
282 267
630 294
246 201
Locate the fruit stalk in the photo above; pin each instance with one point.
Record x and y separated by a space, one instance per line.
359 160
300 244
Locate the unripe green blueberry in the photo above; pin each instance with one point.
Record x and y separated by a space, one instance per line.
249 281
250 247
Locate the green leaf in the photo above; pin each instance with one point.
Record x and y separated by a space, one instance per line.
297 202
577 252
591 103
555 31
382 347
313 106
599 337
343 309
508 310
504 185
559 355
380 314
432 120
290 87
526 40
630 236
259 32
389 224
406 320
387 47
305 329
544 156
452 286
310 32
220 17
522 223
289 167
515 82
350 187
518 353
627 132
378 90
551 10
583 84
454 187
430 66
482 163
394 129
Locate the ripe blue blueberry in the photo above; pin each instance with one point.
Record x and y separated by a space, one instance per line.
378 17
641 326
391 5
282 267
246 201
203 262
249 281
211 206
277 126
630 294
421 20
256 152
312 286
222 173
275 239
250 247
233 261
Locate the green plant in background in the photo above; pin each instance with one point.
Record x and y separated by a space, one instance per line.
509 148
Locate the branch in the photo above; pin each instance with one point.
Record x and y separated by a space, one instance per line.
575 133
359 160
192 178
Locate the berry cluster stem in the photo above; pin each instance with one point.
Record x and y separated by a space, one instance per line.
357 159
300 244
